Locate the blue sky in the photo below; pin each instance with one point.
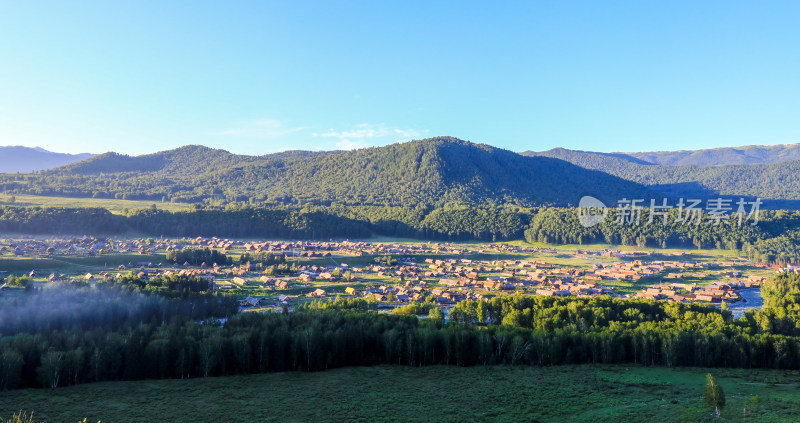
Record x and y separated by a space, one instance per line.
260 77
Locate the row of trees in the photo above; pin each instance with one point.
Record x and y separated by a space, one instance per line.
264 259
198 256
59 220
562 226
136 335
112 304
319 340
175 286
774 239
453 222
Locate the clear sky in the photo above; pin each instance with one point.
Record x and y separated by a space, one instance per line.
260 77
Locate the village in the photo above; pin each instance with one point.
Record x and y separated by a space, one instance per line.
393 273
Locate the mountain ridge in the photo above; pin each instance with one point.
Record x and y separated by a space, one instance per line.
774 181
741 155
432 171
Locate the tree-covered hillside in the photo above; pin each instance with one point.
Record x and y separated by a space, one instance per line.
749 154
428 172
190 159
745 155
774 181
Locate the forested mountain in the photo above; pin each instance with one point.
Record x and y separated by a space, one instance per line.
749 154
25 159
427 172
745 155
186 160
430 172
773 181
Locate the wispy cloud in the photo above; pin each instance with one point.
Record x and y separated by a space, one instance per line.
367 135
352 145
263 129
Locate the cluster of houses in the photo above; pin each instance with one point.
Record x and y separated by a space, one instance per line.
412 292
452 280
714 293
92 246
448 280
84 246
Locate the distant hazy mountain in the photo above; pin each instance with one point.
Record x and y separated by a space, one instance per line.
27 159
427 172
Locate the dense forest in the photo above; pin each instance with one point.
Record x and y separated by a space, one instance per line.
451 222
133 329
774 239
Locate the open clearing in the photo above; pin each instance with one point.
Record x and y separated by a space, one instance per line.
374 394
113 205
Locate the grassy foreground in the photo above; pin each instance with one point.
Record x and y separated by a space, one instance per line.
564 393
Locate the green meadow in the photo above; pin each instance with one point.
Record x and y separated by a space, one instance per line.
115 206
446 394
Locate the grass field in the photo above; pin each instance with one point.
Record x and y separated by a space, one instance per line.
444 394
114 206
73 264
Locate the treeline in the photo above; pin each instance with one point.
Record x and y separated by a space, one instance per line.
562 226
781 312
774 239
62 332
578 331
147 338
198 256
783 249
113 305
175 286
59 220
453 222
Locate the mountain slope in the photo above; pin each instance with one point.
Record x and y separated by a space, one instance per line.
750 154
25 159
745 155
186 160
433 171
190 159
776 181
426 172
